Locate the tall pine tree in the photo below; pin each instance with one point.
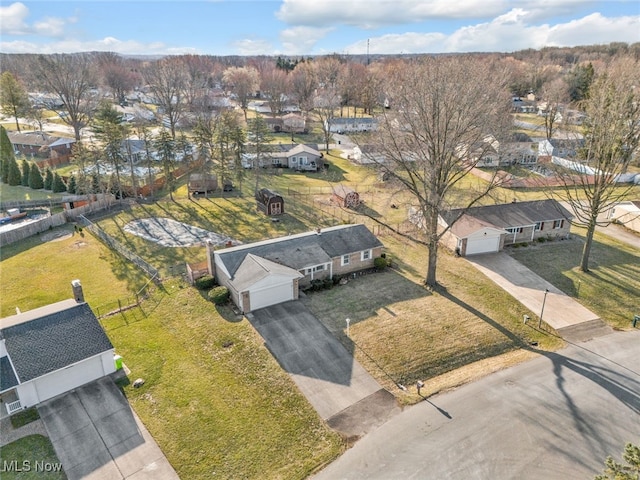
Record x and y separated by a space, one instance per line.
26 169
48 179
15 175
6 154
35 178
58 184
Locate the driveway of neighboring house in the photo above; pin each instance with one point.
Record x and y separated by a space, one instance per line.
568 317
96 435
336 385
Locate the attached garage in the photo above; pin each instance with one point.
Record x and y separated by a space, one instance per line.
271 291
260 283
485 241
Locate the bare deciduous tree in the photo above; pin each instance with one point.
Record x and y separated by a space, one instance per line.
71 77
446 112
244 82
167 79
303 85
611 138
274 85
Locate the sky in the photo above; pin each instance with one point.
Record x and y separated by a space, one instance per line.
312 27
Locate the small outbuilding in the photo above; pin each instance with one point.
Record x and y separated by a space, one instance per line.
345 197
202 183
269 202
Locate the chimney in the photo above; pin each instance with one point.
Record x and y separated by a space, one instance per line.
77 291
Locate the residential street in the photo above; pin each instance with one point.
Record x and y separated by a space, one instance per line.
555 417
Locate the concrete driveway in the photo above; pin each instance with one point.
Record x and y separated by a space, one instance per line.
335 384
97 435
568 317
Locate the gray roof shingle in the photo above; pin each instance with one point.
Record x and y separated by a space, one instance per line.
515 214
7 376
54 340
299 251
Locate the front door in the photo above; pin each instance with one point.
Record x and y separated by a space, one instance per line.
276 208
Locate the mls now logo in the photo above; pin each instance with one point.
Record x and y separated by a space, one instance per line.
29 466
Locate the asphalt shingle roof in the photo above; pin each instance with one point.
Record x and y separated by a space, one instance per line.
7 376
299 251
515 214
55 340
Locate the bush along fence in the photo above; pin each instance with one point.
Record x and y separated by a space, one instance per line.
116 246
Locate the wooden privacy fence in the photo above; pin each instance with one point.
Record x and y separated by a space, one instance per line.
27 230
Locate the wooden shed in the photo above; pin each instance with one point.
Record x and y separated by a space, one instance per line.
202 183
345 196
270 203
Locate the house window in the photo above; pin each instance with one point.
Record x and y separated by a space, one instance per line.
538 226
514 229
318 268
558 224
345 260
294 160
365 255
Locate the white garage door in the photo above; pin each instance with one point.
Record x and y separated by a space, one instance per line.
271 295
69 378
483 245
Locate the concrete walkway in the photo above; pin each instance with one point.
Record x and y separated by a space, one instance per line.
568 317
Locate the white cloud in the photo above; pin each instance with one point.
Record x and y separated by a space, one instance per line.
410 42
13 19
14 22
374 13
301 40
50 27
249 46
595 29
107 44
509 32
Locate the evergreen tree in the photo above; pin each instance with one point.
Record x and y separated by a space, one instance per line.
6 154
95 183
26 169
58 184
579 80
15 175
35 178
72 187
48 179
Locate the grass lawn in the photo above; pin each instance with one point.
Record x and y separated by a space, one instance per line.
34 455
215 400
610 289
427 334
39 270
10 193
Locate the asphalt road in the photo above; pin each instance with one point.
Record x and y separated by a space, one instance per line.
555 417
